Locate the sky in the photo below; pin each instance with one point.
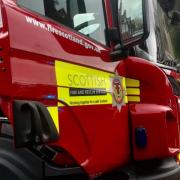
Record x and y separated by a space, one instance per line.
133 8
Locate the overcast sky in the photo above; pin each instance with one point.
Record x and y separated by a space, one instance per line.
133 8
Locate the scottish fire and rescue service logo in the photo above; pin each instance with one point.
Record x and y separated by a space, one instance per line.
118 92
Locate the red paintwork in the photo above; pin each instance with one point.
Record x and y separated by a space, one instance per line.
154 92
97 137
162 131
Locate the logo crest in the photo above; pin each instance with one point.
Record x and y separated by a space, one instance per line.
118 92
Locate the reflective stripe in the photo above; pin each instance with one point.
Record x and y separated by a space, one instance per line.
133 91
55 116
134 99
132 83
133 88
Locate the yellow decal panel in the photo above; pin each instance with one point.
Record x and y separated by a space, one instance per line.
79 85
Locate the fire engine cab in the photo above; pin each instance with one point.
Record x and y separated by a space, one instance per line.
89 88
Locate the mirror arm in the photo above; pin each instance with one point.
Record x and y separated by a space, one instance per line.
119 53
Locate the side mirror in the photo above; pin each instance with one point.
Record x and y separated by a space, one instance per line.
133 22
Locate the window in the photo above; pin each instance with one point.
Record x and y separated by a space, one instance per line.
84 16
37 6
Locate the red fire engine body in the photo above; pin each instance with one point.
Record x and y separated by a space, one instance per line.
62 93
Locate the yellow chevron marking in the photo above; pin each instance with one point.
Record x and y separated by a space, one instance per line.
54 114
133 91
132 83
134 99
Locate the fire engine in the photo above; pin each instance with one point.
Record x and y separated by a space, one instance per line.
89 87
